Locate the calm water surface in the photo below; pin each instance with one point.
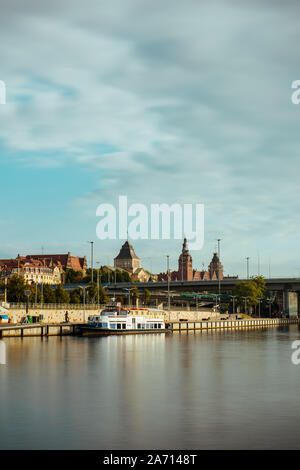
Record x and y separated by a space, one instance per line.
232 389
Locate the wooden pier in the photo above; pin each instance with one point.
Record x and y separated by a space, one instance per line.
39 329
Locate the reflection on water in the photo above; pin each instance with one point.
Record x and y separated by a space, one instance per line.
205 390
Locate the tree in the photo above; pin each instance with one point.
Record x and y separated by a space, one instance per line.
135 294
92 292
103 297
253 289
75 296
73 277
16 289
61 295
260 284
146 296
49 294
35 293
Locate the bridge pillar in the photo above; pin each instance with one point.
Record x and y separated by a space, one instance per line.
290 303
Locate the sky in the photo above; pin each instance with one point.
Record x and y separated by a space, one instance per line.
165 102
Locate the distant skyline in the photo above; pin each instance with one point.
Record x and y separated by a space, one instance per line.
186 102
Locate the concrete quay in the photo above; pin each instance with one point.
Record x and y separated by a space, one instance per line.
225 324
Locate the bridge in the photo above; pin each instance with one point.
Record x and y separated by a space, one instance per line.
274 284
286 289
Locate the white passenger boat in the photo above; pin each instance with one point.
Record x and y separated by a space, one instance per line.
117 320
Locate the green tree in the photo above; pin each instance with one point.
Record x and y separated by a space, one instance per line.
35 293
16 289
260 284
103 297
253 289
73 277
92 292
146 296
135 294
61 295
49 294
75 296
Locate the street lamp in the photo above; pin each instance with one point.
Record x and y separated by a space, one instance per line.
168 274
233 302
270 304
5 291
27 293
83 289
128 290
92 259
259 300
245 299
247 259
98 284
219 279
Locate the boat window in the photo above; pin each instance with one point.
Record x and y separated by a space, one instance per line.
118 326
104 325
155 325
139 326
159 325
124 326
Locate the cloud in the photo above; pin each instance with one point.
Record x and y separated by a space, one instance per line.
173 101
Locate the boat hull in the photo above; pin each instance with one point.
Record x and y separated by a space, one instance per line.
90 331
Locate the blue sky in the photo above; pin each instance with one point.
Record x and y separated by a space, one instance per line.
186 102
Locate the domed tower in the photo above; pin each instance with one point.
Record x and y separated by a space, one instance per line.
215 267
127 259
185 264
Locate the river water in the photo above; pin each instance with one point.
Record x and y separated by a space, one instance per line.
197 390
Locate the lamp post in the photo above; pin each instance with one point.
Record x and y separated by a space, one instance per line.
27 293
83 289
270 304
247 259
233 303
98 284
219 254
259 300
245 300
128 290
168 277
92 260
42 291
5 291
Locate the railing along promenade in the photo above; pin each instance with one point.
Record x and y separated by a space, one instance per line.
87 306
